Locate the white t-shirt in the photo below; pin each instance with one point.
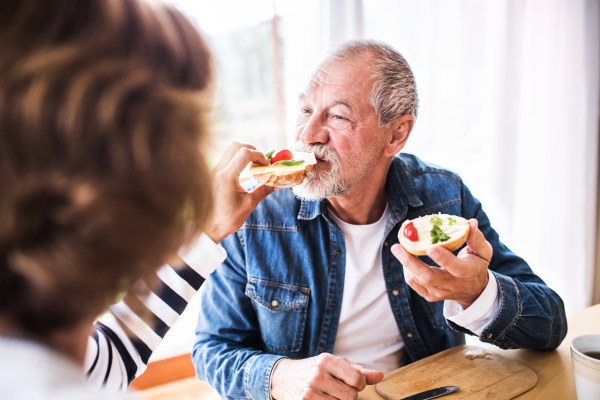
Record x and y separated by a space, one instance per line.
367 332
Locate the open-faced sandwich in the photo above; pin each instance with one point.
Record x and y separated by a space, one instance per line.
286 169
419 234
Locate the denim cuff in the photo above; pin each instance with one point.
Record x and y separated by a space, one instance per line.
257 376
510 311
481 312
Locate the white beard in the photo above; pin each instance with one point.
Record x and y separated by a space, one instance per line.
323 184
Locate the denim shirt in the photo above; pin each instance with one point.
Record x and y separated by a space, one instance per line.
279 293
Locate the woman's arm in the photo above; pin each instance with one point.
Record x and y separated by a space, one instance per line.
124 339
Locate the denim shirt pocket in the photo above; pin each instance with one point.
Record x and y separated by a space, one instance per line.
281 310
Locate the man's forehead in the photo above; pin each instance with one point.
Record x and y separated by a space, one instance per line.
353 77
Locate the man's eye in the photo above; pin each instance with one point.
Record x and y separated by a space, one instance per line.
305 111
338 117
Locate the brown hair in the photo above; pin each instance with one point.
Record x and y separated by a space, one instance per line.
102 115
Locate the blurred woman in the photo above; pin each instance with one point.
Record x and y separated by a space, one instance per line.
103 108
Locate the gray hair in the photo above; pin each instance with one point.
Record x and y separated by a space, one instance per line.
394 90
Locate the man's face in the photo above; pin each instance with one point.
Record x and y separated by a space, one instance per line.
338 123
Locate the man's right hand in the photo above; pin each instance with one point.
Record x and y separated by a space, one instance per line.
321 377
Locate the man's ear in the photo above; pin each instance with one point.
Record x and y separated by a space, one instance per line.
401 128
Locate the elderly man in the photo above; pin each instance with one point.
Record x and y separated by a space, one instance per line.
316 296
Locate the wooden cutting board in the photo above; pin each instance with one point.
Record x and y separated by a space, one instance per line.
487 376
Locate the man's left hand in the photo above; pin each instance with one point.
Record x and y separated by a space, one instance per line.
461 278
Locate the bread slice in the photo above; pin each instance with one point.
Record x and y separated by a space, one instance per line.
284 176
284 179
458 233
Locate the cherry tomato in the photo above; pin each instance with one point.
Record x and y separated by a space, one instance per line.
410 232
281 155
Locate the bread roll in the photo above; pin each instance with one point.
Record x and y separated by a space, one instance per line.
278 175
457 232
283 179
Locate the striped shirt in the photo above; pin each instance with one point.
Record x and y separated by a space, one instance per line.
123 339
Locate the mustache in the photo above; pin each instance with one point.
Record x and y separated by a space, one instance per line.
321 151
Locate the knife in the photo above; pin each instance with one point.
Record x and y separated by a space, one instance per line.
433 393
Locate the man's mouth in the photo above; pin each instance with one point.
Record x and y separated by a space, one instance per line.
322 164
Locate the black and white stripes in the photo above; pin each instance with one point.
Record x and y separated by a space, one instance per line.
124 339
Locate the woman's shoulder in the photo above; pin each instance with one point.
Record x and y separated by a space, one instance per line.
31 370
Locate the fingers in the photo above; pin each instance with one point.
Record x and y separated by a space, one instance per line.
444 258
428 282
338 389
260 192
345 371
476 242
421 272
244 156
372 376
401 254
416 286
461 278
322 377
314 394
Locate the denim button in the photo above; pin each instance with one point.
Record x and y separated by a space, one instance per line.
395 292
275 303
333 304
338 252
489 336
385 244
409 335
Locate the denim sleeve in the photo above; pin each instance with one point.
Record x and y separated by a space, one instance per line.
227 351
532 315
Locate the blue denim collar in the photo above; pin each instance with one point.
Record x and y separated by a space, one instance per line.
399 188
310 209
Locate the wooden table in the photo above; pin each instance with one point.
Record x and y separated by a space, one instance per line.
553 368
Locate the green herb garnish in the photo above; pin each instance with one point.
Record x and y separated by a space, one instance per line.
451 221
436 221
269 154
437 235
289 163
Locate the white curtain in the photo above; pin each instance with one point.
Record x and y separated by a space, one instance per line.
509 95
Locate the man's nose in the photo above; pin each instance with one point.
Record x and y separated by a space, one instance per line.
314 131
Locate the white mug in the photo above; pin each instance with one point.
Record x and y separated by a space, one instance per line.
585 353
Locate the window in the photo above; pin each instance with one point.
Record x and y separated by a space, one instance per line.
264 52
